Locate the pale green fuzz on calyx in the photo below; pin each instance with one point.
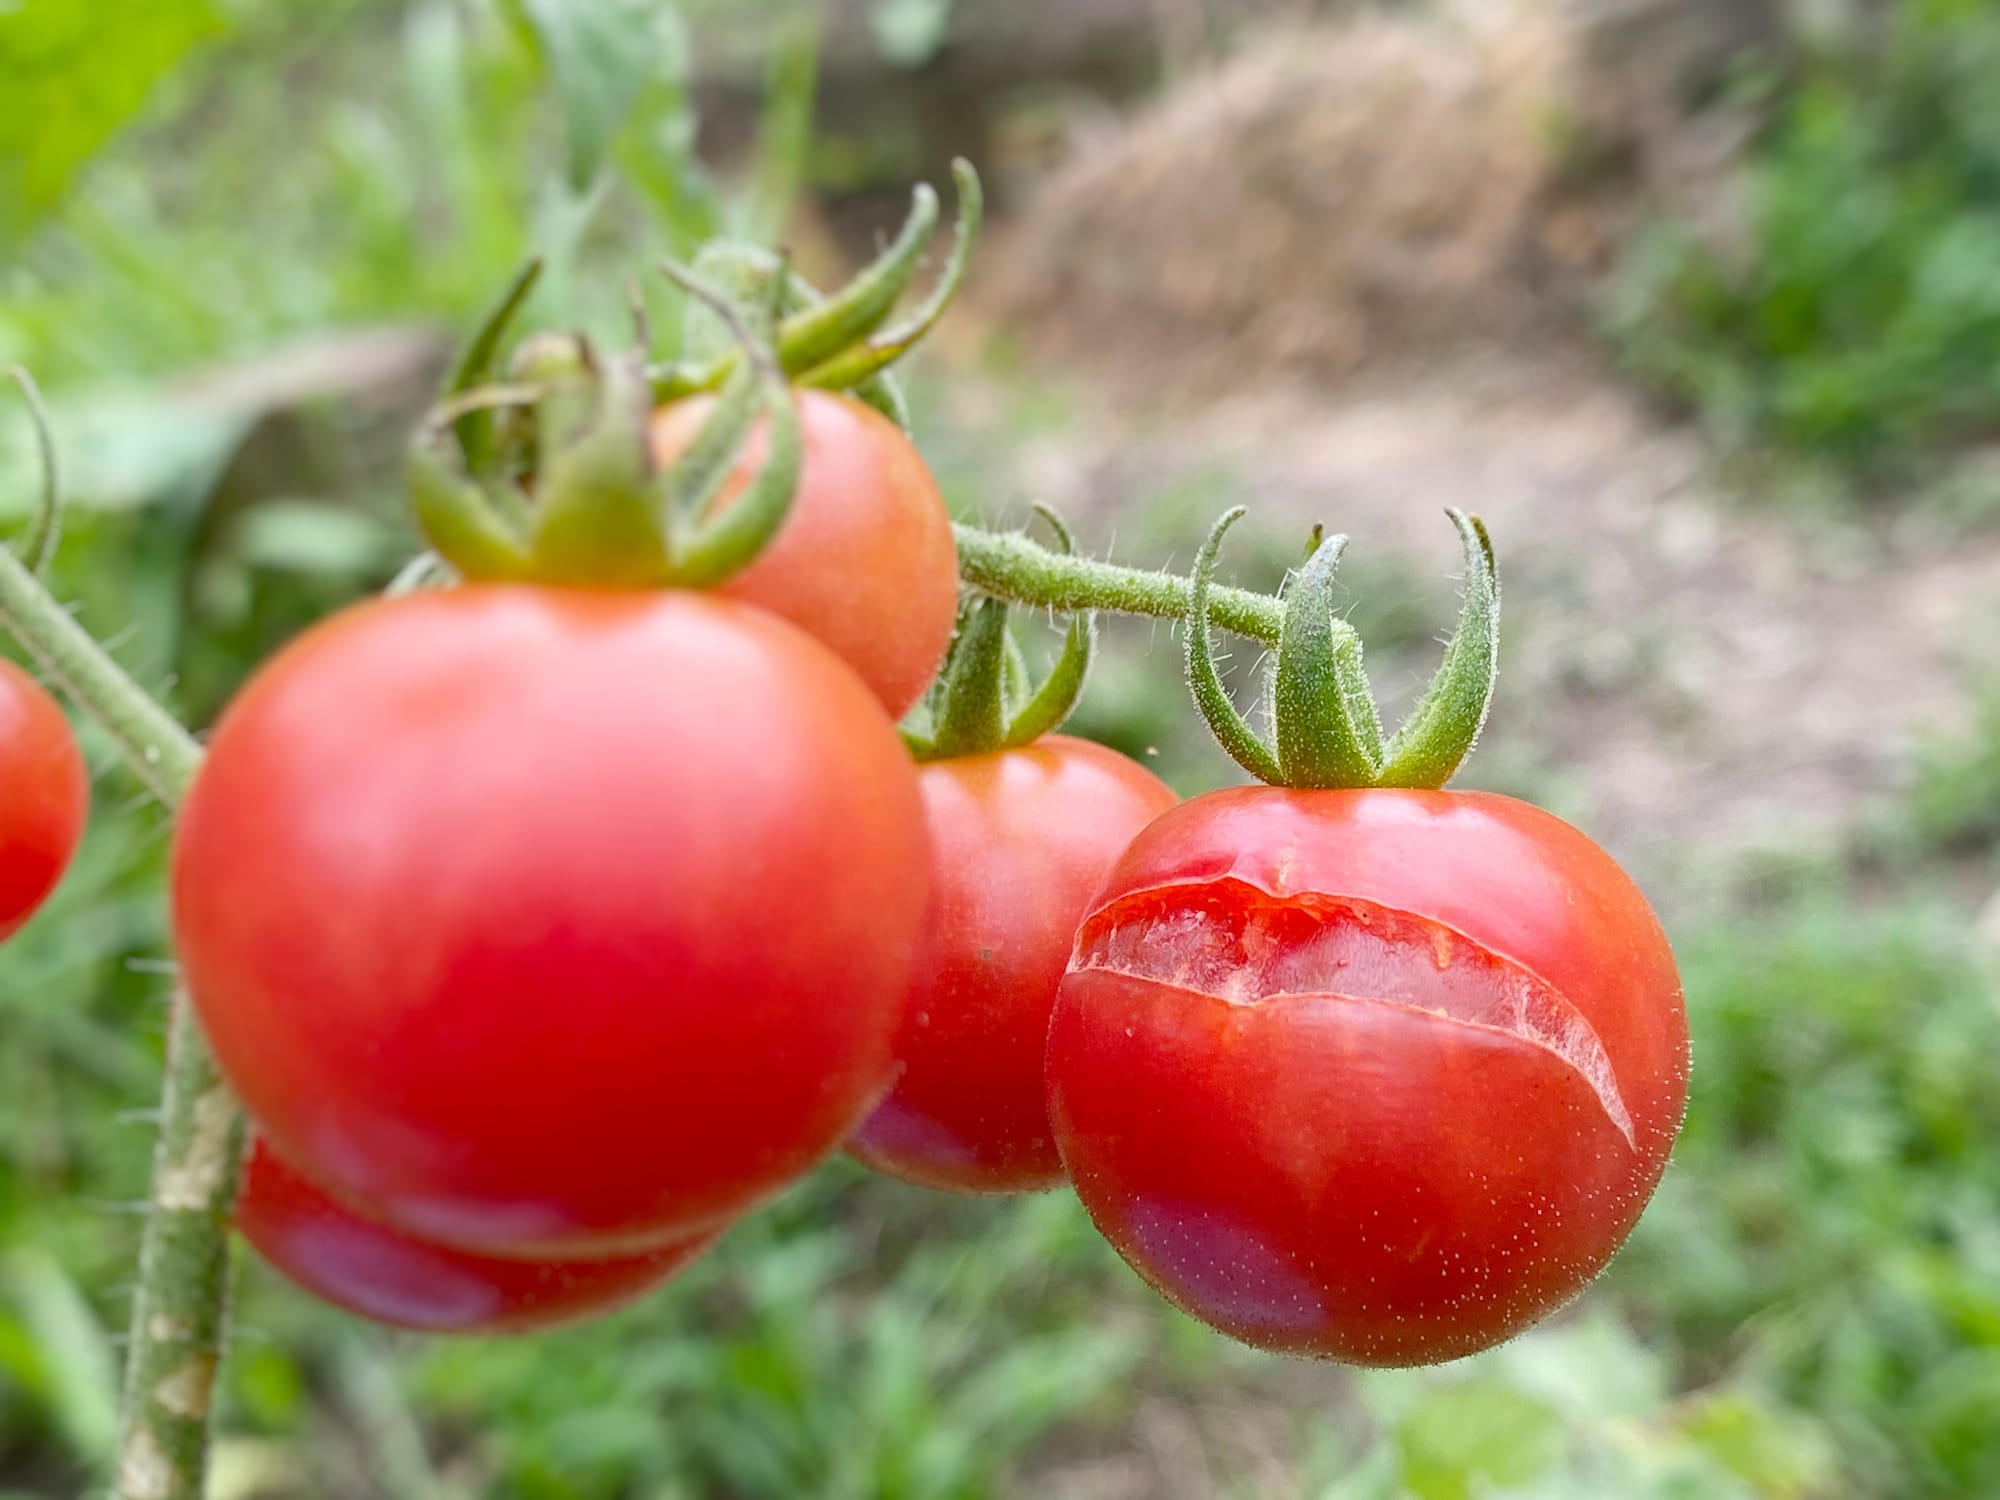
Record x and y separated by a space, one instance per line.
1326 731
546 476
837 343
598 512
37 545
984 698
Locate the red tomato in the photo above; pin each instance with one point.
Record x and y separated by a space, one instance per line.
1380 1076
865 561
378 1272
46 797
1023 839
553 922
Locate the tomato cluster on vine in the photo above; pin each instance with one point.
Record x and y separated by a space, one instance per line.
550 917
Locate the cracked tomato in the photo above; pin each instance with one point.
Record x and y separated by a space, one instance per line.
1380 1076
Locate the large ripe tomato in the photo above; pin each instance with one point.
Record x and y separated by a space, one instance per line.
865 561
1023 839
1382 1076
44 796
553 922
381 1273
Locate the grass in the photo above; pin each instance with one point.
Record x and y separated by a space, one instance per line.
1855 329
1811 1294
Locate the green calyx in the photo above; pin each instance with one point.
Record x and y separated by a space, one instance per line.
844 342
984 699
548 476
1326 731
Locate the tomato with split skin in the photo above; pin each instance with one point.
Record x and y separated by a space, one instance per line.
46 796
387 1276
1379 1076
1022 839
865 561
553 923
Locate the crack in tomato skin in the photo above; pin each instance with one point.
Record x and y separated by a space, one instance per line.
1322 1067
1243 947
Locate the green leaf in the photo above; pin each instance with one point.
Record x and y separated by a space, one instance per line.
601 56
73 74
784 133
123 449
73 1366
1466 1440
313 537
1782 1454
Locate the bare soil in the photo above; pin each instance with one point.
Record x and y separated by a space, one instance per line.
1689 674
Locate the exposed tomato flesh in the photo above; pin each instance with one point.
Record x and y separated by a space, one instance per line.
1231 941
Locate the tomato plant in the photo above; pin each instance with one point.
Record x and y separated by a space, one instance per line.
47 796
391 1277
1022 839
548 921
865 560
1381 1075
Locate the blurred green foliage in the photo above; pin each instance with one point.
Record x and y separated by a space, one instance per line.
391 161
1830 1228
1955 799
1856 325
67 91
1810 1309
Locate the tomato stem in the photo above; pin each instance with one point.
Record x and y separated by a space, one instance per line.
180 1310
162 752
38 543
1008 565
984 698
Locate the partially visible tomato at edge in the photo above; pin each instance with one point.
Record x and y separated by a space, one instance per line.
865 561
390 1277
44 796
1381 1076
553 922
1023 838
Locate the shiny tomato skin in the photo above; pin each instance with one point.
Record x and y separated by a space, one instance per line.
1022 839
387 1276
865 562
46 796
1378 1076
551 922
